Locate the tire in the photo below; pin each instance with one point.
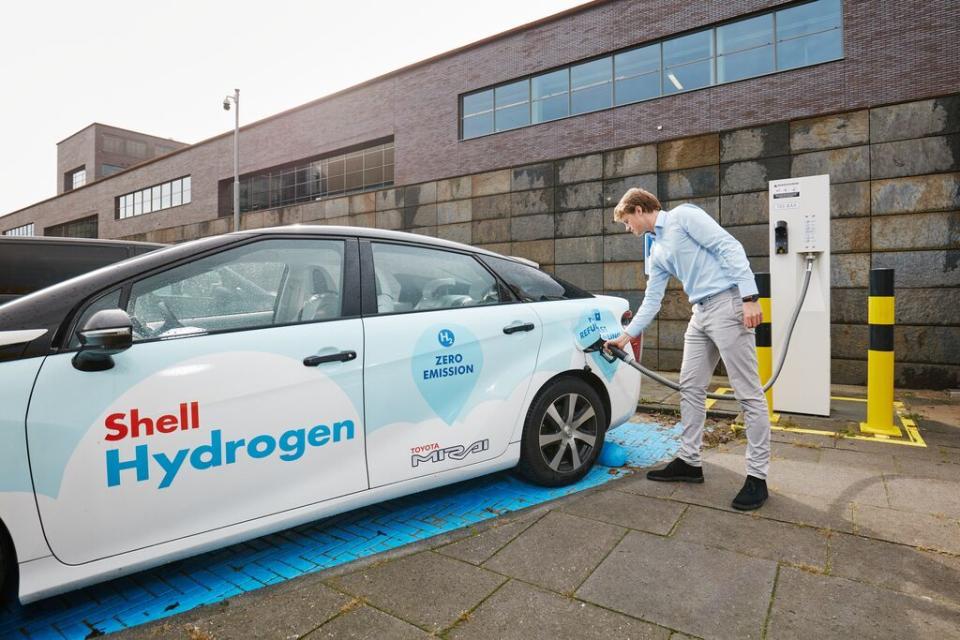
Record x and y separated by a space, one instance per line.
554 449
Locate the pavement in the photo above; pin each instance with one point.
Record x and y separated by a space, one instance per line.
858 539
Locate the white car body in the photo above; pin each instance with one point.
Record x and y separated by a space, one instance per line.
195 441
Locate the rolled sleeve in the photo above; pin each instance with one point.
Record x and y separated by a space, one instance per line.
652 298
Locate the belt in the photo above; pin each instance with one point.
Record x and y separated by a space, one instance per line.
724 293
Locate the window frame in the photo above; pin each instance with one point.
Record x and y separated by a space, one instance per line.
368 290
350 309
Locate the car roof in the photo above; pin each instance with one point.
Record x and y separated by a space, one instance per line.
382 234
79 241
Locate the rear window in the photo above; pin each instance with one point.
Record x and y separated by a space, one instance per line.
534 285
28 267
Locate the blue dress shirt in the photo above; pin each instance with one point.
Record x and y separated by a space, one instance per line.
693 248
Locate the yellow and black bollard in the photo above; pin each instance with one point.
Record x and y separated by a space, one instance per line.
765 337
880 313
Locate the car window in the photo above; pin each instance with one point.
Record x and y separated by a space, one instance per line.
534 285
257 285
420 279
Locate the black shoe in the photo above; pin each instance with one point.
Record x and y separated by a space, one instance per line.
752 495
677 471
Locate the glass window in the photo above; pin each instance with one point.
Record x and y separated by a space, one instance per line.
257 285
687 77
809 34
688 62
478 114
176 193
165 195
22 230
475 103
805 19
78 178
478 125
110 169
745 34
147 202
419 279
186 190
591 86
137 203
637 74
533 285
155 197
512 105
686 49
550 93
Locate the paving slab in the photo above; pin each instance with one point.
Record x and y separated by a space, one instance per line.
687 587
841 483
929 468
870 461
518 611
558 552
896 567
924 495
479 548
638 484
821 513
365 623
755 536
799 451
627 510
907 527
427 589
289 609
826 608
791 437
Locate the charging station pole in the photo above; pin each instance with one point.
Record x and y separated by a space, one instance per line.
799 229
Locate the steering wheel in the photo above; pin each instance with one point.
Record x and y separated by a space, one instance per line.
170 321
491 295
141 329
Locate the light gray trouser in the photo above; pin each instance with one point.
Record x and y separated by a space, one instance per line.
716 331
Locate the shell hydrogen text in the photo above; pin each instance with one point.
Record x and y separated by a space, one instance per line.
288 446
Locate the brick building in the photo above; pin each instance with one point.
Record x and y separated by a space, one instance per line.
523 142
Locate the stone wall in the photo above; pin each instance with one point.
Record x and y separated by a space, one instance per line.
895 202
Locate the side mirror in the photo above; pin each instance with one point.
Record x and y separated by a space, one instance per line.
106 333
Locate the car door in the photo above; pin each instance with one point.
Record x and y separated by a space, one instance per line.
449 357
240 397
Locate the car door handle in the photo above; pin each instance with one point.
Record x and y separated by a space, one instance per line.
343 356
521 326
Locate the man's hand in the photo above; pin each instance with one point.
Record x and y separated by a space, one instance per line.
620 343
752 314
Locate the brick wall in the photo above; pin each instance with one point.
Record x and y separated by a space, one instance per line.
895 202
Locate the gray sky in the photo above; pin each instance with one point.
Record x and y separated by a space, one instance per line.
164 67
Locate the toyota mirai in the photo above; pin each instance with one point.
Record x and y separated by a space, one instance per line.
236 385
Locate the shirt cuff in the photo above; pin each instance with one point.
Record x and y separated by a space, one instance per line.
748 288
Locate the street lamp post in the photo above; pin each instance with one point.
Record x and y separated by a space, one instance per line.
235 98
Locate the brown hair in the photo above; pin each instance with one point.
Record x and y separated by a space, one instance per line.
635 199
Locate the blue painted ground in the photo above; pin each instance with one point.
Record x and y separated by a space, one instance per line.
215 576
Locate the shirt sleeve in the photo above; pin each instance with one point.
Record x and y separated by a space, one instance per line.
728 250
652 298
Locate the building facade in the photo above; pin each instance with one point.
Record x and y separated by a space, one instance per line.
523 143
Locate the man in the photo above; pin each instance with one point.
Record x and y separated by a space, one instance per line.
713 268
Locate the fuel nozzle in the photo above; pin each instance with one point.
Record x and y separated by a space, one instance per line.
610 354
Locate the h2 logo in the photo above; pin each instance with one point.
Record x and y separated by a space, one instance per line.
446 338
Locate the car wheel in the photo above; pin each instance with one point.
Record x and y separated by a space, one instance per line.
563 433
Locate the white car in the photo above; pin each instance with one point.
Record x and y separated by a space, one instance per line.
233 386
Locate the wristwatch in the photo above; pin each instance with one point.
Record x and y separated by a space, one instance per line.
752 298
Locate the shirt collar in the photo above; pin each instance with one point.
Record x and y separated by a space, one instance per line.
659 222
